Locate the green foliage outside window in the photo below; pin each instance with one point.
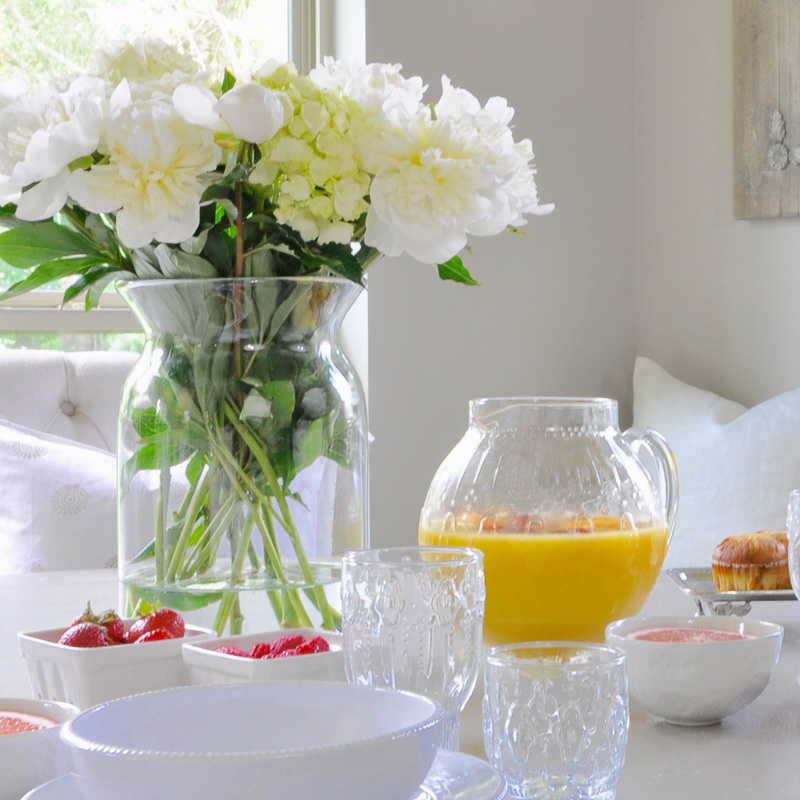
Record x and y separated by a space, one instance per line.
42 37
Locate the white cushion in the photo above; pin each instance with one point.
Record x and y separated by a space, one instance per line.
736 465
57 503
74 395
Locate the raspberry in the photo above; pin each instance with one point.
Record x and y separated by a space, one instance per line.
261 650
286 642
320 645
232 651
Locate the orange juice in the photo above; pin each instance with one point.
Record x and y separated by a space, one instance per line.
563 586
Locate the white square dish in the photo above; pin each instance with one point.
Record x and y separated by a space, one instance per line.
207 666
86 676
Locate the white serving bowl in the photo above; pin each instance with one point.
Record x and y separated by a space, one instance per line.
31 758
85 676
697 684
303 740
205 665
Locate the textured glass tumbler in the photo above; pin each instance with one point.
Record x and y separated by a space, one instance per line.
412 619
555 718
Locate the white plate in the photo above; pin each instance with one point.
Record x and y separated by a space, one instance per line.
453 776
697 582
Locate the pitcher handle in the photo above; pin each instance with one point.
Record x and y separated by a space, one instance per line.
665 472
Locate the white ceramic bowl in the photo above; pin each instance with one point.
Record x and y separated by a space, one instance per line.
85 676
29 759
697 684
205 665
299 739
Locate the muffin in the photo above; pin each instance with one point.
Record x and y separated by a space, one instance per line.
751 562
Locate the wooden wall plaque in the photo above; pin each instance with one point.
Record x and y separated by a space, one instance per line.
766 108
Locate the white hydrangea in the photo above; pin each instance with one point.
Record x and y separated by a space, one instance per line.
154 176
311 166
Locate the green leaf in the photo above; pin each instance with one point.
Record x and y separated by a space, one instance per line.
93 282
349 268
194 469
454 270
176 264
159 455
194 246
310 444
52 271
147 423
145 263
100 231
99 284
182 601
41 242
146 553
281 394
228 82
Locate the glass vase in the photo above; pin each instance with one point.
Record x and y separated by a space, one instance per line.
242 450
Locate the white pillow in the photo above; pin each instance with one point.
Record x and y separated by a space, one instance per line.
58 503
736 465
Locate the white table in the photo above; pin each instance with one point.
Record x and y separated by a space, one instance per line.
753 754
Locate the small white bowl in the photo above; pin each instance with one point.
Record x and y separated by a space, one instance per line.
205 665
298 739
697 684
85 676
32 758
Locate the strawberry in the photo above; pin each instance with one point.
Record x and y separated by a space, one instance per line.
165 618
154 635
85 634
110 620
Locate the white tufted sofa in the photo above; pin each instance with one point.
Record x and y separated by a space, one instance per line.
58 422
74 395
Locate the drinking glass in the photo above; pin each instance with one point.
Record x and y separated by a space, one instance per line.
412 619
793 534
555 718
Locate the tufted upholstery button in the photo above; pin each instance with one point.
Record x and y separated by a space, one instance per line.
68 409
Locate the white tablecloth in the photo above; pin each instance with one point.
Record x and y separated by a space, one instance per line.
753 754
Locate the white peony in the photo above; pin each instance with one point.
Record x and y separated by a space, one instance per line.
443 176
142 61
379 89
154 177
251 112
514 190
42 134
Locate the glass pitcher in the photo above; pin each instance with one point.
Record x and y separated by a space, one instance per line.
573 516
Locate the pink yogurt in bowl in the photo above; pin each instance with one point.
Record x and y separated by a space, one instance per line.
687 635
31 752
673 677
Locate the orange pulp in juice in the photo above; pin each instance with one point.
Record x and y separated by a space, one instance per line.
562 586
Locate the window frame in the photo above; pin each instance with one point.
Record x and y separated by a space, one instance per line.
316 27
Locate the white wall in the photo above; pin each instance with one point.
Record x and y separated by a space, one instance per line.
717 298
555 313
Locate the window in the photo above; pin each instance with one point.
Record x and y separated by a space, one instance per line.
40 37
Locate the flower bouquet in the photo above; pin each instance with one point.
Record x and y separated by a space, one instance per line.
234 213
